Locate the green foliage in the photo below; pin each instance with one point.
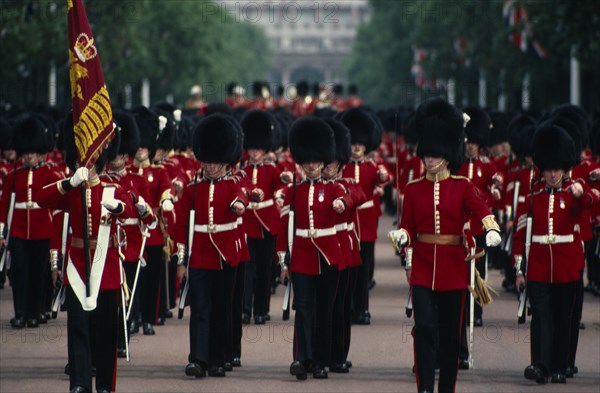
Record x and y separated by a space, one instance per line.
383 51
175 44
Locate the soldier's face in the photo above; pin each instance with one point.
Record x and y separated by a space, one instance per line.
358 151
10 154
31 159
553 177
472 149
159 155
119 161
435 164
256 155
213 170
312 169
331 170
141 154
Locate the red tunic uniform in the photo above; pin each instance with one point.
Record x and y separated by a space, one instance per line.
53 196
215 229
481 171
556 253
365 173
440 207
29 221
314 215
264 214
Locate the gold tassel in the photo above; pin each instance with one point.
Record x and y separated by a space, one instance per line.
481 292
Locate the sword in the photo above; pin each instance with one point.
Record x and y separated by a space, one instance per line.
123 292
409 306
471 309
141 263
11 209
184 292
59 299
523 290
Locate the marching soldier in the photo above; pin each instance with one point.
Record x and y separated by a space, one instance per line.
92 322
434 211
27 224
313 245
482 172
368 175
8 162
261 220
210 206
553 254
137 186
161 199
342 312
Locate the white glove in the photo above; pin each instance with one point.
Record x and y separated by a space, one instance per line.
399 236
180 253
141 206
111 204
167 205
80 175
492 239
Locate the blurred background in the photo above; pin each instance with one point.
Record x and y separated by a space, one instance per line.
510 55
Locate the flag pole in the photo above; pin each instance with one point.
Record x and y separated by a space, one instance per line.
86 237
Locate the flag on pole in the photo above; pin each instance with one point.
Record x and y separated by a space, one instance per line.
92 113
521 32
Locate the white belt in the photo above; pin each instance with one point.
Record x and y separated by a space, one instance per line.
366 205
552 239
214 228
351 226
521 199
315 232
260 205
130 221
341 227
27 205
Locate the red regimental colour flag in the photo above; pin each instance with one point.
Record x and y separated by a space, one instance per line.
92 113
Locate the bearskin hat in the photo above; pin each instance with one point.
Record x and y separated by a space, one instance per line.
239 142
439 127
500 122
361 126
6 135
553 148
31 135
166 137
149 127
576 115
183 134
215 139
311 140
478 129
302 88
343 148
130 133
521 125
259 130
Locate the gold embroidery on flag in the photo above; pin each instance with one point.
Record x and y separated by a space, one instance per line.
76 72
94 119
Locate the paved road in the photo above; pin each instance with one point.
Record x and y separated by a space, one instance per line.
32 360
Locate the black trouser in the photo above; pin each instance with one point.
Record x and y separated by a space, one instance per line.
87 329
438 320
552 308
361 290
575 320
257 284
209 293
150 283
313 298
341 319
29 266
169 274
352 273
130 269
592 249
235 345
